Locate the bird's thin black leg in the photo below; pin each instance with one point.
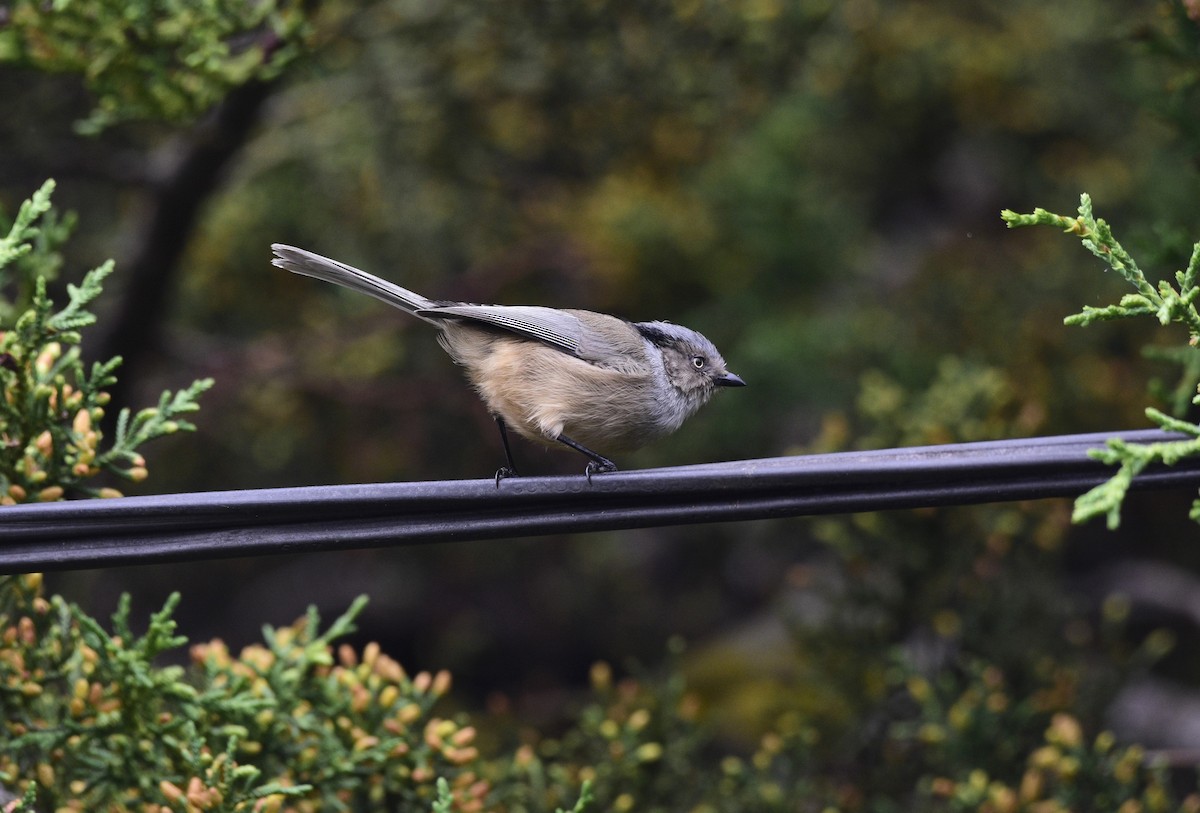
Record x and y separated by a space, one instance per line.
598 463
510 469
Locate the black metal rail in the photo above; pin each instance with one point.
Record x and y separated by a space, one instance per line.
209 525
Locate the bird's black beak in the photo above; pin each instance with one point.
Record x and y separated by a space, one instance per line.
729 380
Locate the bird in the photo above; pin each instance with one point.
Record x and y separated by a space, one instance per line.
560 377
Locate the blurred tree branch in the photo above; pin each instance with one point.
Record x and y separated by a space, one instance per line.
175 203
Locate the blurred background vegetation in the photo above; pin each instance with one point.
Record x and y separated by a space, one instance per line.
814 185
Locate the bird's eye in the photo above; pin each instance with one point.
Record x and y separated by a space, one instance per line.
699 362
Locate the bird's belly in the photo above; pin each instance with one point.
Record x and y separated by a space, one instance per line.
542 393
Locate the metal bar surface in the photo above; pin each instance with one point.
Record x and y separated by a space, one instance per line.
209 525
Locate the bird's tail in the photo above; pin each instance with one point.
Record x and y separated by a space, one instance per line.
299 261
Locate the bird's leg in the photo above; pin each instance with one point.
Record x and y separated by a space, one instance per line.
510 469
598 464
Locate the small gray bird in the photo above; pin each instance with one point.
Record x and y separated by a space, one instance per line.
574 377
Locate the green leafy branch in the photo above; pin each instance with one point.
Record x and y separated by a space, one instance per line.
144 61
444 803
90 722
18 240
1105 499
1167 303
50 440
31 250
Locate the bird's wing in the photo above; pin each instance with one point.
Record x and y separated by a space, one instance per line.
559 329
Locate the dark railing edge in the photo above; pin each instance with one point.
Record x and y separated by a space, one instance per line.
136 530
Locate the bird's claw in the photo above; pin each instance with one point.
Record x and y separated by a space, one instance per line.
503 473
599 467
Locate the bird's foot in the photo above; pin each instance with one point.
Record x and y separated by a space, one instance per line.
601 466
504 472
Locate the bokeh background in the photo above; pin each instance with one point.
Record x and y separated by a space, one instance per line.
814 185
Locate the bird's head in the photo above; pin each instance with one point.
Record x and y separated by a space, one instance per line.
693 364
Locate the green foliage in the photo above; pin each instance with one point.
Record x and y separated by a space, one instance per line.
976 739
964 402
641 744
31 250
90 720
50 413
152 59
1065 773
27 802
445 799
1105 499
900 574
1165 302
93 722
17 242
1168 304
991 740
585 800
358 729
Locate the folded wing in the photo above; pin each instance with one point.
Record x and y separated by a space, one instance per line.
557 328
